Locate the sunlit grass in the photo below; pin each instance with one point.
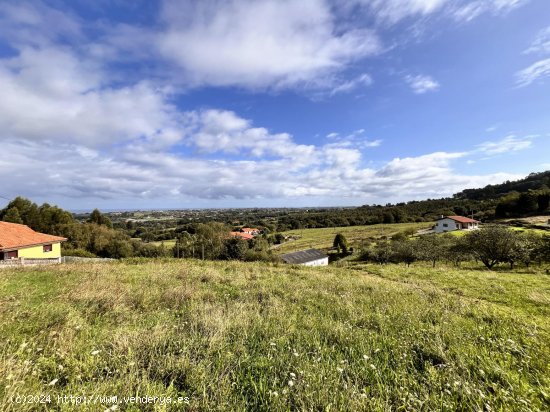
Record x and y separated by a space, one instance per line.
323 238
253 336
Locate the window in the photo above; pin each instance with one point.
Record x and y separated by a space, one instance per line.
12 255
445 225
47 248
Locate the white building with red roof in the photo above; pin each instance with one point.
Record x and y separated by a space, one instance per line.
452 223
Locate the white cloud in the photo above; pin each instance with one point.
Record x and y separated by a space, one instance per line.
465 11
51 93
541 44
266 44
392 11
510 143
71 129
349 85
216 131
537 71
421 84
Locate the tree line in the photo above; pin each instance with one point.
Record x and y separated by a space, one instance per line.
491 245
96 236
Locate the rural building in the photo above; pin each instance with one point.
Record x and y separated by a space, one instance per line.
242 235
309 257
250 230
452 223
21 242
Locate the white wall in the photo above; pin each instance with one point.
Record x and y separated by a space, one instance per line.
451 225
318 262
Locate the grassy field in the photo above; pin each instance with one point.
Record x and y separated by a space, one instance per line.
323 238
168 244
235 336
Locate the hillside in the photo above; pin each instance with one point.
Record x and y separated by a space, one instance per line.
236 336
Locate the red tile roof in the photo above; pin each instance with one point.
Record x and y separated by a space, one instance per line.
462 219
14 236
241 235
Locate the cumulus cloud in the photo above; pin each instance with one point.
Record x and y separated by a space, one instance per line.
267 44
51 93
421 84
73 128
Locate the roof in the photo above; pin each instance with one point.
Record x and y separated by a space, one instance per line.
250 229
241 235
14 236
303 256
460 219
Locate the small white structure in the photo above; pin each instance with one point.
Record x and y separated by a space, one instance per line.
309 257
452 223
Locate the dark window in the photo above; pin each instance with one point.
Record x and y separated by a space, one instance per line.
47 248
12 255
445 225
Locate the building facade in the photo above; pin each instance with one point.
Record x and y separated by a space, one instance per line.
21 242
452 223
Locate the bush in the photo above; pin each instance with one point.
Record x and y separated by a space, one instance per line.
78 253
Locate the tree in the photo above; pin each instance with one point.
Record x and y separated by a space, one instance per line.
432 248
492 244
12 216
100 219
404 251
235 248
341 243
382 252
210 238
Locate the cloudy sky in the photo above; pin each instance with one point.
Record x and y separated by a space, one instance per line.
141 104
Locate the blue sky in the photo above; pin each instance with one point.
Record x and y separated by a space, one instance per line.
169 104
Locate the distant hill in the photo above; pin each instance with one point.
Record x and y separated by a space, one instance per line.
535 181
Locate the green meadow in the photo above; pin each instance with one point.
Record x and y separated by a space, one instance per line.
322 238
233 336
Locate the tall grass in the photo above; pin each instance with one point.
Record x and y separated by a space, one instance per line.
252 336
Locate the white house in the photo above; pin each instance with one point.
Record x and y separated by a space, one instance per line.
309 257
452 223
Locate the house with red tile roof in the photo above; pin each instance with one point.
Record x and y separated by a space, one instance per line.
20 241
250 230
242 235
452 223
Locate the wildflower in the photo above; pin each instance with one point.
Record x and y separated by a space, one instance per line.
273 344
372 367
53 382
292 374
365 357
340 370
275 393
291 383
95 352
296 354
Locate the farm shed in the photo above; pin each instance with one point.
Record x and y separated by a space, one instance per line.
309 257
